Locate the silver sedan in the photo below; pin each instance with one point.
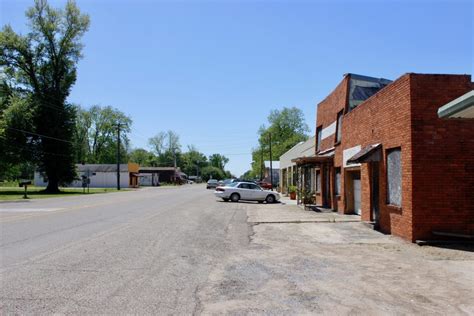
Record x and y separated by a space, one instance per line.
246 191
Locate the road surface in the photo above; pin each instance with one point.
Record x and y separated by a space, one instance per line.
144 251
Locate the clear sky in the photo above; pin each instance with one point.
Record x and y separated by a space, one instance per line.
213 70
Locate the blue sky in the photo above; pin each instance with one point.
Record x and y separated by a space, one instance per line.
212 71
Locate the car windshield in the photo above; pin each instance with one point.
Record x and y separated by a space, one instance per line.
212 181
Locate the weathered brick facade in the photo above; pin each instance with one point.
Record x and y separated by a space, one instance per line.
437 156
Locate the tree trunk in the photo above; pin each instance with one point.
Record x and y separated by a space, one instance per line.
53 186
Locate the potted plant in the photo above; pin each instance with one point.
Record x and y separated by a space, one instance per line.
292 192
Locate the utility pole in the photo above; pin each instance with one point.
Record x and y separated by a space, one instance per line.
261 164
118 155
271 160
174 158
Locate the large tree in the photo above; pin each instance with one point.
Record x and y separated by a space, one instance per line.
95 135
286 128
43 64
193 161
167 147
218 161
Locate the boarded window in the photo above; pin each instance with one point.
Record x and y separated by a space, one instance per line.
338 181
339 127
394 177
318 137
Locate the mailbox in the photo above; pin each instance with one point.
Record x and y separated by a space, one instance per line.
24 183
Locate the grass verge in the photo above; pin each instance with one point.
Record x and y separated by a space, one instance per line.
16 193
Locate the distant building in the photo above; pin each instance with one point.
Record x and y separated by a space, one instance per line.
154 176
100 175
288 168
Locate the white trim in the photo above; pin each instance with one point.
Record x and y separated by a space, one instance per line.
348 153
328 131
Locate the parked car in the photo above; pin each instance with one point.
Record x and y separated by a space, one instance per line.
246 191
212 184
265 185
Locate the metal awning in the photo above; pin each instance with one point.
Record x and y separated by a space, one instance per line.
317 159
462 107
367 154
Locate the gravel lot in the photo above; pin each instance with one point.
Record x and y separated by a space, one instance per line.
336 268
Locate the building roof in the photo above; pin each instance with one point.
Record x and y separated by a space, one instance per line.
462 107
101 167
275 164
158 169
301 149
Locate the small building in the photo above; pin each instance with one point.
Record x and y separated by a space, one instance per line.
154 176
100 175
288 169
383 152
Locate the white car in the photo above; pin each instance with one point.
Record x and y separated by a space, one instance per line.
246 191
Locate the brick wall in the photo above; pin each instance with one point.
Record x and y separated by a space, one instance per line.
443 158
383 118
328 109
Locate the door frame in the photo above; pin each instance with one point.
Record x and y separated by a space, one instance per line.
327 186
375 192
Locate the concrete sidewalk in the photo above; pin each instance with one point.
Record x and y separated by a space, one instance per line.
291 213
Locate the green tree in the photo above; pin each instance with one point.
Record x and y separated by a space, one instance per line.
286 128
43 64
193 161
167 147
218 161
142 157
211 172
95 137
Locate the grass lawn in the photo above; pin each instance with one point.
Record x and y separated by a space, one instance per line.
16 193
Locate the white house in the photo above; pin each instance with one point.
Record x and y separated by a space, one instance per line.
100 175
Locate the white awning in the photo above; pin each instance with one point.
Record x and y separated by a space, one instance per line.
462 107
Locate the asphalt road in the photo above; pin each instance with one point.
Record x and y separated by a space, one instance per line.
145 251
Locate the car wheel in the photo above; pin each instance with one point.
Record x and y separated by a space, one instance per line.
226 200
235 197
270 199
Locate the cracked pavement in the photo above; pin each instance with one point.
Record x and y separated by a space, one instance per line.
179 251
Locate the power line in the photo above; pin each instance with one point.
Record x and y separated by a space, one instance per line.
24 147
41 135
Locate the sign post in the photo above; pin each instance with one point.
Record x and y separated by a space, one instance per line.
25 183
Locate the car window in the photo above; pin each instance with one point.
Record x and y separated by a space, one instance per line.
244 186
254 187
232 184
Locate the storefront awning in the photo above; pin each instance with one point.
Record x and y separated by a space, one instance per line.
367 154
317 159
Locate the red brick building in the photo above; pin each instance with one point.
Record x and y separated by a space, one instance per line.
383 152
